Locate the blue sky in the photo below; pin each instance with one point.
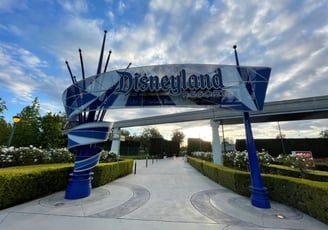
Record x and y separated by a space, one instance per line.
37 36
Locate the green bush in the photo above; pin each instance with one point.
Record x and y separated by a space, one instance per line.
11 156
309 174
25 183
308 196
21 184
235 180
107 172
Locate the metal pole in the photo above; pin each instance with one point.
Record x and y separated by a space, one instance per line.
259 197
146 161
223 138
11 135
281 139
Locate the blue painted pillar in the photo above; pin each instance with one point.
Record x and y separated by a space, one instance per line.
259 197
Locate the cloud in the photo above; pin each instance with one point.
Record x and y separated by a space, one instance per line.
22 74
289 36
74 6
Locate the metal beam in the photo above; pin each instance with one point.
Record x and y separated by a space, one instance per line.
295 109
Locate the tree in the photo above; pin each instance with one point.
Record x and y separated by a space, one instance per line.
324 133
5 128
28 129
2 106
178 136
281 136
151 133
51 131
126 134
147 134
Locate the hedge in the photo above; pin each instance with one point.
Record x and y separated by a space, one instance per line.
107 172
25 183
310 197
309 174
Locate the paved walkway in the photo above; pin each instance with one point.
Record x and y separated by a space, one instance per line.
168 194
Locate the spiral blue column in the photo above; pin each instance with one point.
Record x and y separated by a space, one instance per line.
82 141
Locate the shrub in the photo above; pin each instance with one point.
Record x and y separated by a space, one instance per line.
107 172
25 183
239 160
31 155
21 184
299 161
308 196
207 156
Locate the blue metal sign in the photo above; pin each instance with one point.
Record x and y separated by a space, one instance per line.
193 85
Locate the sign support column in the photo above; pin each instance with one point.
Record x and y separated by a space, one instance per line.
216 147
259 197
116 141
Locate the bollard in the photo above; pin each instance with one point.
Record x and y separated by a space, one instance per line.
135 167
146 162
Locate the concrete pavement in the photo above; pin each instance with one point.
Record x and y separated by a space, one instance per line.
168 194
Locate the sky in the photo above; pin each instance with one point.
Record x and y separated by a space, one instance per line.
38 36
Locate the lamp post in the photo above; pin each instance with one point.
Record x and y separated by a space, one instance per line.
16 119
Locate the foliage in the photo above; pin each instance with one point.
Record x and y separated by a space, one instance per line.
324 133
125 133
51 131
147 134
5 131
107 172
298 161
308 196
178 136
28 129
26 183
207 156
33 129
108 157
31 155
21 184
239 160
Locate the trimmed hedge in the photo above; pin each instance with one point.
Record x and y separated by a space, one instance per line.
310 197
315 175
25 183
107 172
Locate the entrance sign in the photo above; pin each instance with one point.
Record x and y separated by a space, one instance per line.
192 85
189 85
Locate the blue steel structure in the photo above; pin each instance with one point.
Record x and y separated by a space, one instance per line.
87 129
259 196
194 85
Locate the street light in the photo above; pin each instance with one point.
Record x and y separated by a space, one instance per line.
16 119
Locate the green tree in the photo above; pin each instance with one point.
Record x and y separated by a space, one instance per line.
151 133
28 129
125 133
5 128
51 131
178 136
324 133
147 134
3 107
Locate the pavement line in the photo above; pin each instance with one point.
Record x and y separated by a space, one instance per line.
140 197
201 202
